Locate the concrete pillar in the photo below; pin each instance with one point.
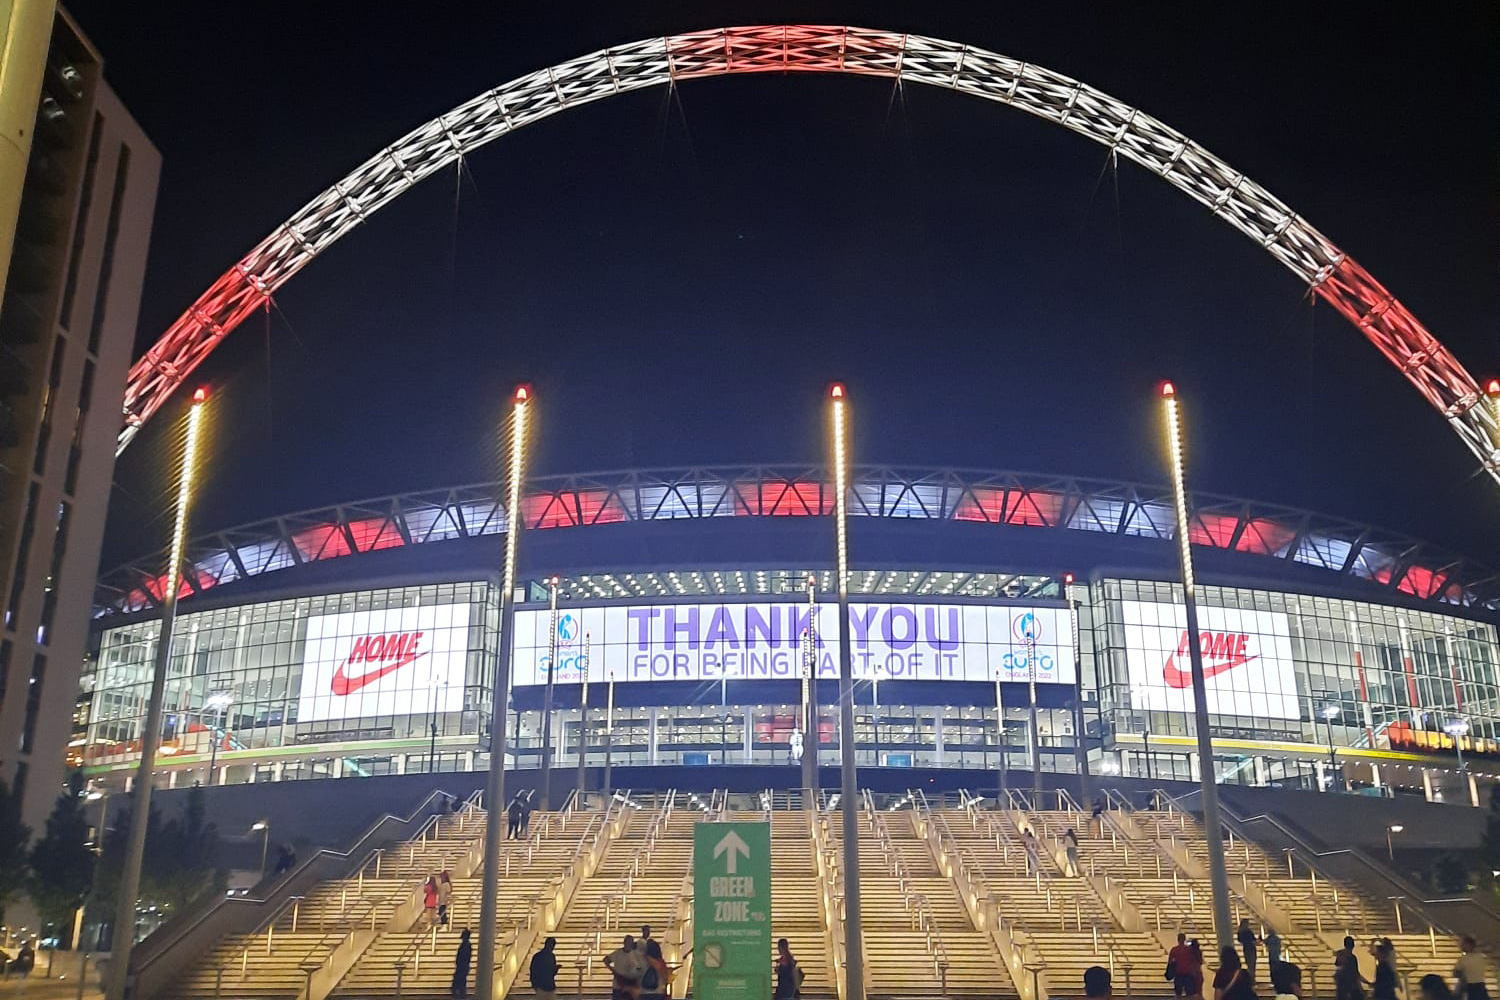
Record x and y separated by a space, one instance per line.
749 732
172 778
1375 774
278 770
651 735
937 739
1321 768
399 763
1473 791
1262 778
1427 783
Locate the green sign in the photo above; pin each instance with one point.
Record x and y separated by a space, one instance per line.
732 911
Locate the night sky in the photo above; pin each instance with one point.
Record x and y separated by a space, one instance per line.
681 274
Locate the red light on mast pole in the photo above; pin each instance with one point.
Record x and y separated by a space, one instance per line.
1492 387
836 391
200 394
1168 390
523 393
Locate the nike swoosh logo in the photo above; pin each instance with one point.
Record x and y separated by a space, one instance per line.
344 684
1176 677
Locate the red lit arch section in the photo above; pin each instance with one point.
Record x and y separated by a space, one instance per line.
1130 133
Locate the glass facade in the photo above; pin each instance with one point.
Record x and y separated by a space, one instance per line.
248 689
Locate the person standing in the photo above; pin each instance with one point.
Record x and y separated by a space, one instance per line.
1472 971
526 816
1193 989
1286 978
1070 846
429 902
1273 953
1097 816
1033 852
1246 937
787 985
627 966
1348 981
461 960
513 818
1386 984
444 894
1178 960
543 973
657 977
1232 982
1435 987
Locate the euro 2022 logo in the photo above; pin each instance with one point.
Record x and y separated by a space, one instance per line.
570 662
1027 630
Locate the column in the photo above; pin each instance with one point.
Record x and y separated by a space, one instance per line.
1375 775
651 735
1473 791
937 737
1320 767
749 732
278 769
1262 778
1427 783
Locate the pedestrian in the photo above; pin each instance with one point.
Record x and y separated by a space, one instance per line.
1386 982
1096 983
1435 987
526 816
1286 978
444 894
657 977
1070 846
1471 972
1348 982
461 960
286 857
513 818
1178 961
1195 970
645 937
1033 852
1246 938
1273 952
543 973
1097 816
1231 982
429 902
788 973
627 966
25 960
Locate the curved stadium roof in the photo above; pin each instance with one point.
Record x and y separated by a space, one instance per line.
1349 553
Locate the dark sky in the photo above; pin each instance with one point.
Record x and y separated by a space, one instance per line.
680 275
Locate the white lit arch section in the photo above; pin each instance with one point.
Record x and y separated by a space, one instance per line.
1130 133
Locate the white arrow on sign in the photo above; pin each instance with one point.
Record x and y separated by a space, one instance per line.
732 845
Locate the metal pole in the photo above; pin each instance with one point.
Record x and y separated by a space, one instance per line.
547 702
583 724
1036 733
1080 748
494 794
609 733
1218 874
213 754
265 845
1000 739
140 810
854 956
810 727
432 726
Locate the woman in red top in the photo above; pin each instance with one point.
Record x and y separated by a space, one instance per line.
430 901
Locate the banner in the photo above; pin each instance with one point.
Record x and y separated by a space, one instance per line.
1247 660
402 661
759 641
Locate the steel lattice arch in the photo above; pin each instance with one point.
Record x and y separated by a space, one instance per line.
1031 503
1124 130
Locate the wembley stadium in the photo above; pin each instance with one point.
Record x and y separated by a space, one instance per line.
360 639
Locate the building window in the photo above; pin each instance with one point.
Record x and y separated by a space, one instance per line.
54 574
107 262
75 450
81 224
6 648
49 406
23 552
33 701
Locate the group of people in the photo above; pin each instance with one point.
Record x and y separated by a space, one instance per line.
1235 978
437 893
1033 849
638 969
518 816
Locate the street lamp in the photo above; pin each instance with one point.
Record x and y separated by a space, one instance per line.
547 696
854 957
264 826
435 682
1080 747
1457 728
1390 850
494 793
220 702
1210 789
140 810
1029 625
1329 713
811 736
583 723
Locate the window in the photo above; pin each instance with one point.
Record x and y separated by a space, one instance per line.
54 574
23 553
49 406
75 450
107 261
33 702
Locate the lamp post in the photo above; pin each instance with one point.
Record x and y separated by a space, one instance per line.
1080 747
494 794
1329 713
609 731
811 737
1457 728
1210 790
854 956
220 701
432 725
583 724
140 810
264 827
1000 736
1029 625
1390 850
547 698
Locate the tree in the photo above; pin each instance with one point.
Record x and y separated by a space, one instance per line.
14 836
1450 874
1489 844
62 864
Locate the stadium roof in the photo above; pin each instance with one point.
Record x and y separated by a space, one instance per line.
1402 566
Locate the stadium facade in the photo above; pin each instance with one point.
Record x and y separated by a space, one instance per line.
361 639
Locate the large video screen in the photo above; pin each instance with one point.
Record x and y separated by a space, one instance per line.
402 661
758 641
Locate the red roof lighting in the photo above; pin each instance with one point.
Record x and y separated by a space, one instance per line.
836 391
200 394
523 393
1168 390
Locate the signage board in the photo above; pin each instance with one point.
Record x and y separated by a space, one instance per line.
1247 660
400 661
732 911
763 641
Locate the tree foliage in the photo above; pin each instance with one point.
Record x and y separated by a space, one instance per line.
179 860
1489 844
62 863
14 836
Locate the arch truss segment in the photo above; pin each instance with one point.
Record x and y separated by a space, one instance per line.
1072 104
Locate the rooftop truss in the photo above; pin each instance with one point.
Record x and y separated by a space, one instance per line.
1124 130
1016 500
